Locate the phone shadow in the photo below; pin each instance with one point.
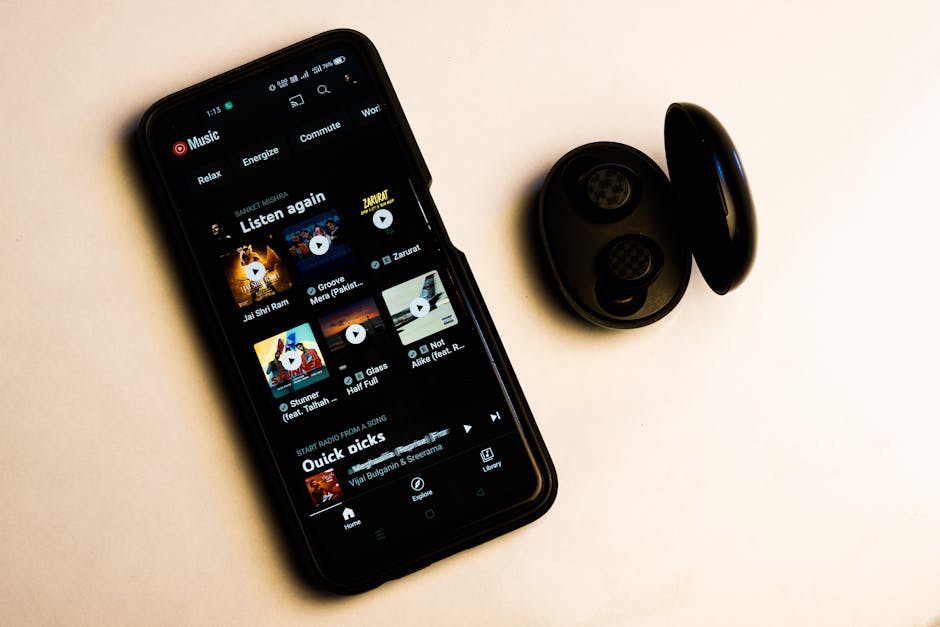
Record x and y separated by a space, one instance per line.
266 485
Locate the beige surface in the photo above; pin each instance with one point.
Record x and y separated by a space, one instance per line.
768 458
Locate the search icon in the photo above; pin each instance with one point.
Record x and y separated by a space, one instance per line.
322 89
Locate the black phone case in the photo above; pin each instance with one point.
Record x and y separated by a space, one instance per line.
496 525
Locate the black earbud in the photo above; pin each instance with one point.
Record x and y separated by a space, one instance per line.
619 236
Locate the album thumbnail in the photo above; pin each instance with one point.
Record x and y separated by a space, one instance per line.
318 244
324 487
254 271
419 307
291 360
384 215
355 325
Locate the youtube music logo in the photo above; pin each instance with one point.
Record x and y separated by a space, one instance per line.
180 148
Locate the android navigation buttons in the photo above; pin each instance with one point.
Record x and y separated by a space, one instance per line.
355 334
382 219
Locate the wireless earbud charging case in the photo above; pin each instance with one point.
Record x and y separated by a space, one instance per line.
619 237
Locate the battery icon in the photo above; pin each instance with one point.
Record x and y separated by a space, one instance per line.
339 60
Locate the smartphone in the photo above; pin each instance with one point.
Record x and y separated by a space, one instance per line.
354 327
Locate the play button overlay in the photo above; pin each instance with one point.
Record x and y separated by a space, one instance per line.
319 244
290 359
255 271
419 307
355 334
382 219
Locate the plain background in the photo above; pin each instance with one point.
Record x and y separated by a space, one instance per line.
769 457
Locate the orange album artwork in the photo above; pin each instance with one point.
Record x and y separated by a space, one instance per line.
254 272
324 488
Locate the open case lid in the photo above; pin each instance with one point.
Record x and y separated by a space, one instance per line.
712 194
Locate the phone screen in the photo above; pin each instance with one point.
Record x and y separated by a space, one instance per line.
394 424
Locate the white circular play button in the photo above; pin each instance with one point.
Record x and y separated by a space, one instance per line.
290 359
255 271
382 219
319 244
355 334
419 307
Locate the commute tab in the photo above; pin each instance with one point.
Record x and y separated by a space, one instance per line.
319 131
